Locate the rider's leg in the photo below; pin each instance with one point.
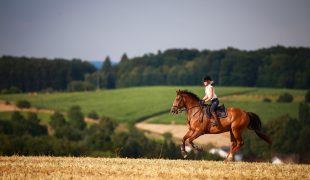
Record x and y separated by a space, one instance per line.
214 105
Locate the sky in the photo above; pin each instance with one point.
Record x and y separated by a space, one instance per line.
94 29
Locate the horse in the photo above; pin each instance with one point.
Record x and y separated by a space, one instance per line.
236 122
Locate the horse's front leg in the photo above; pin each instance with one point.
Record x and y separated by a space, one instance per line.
194 136
187 135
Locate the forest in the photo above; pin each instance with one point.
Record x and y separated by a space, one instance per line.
283 67
273 67
39 74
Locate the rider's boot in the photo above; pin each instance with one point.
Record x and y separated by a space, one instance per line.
215 121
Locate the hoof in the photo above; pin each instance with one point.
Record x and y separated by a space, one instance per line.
198 150
229 158
184 154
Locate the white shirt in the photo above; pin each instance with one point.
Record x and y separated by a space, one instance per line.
208 92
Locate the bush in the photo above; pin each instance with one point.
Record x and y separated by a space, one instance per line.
14 90
23 104
4 91
267 100
93 115
286 97
11 90
307 97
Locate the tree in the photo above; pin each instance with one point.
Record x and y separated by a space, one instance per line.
57 120
307 97
23 104
17 117
285 97
69 133
107 79
33 125
33 118
100 135
93 115
107 125
124 58
284 132
303 143
76 117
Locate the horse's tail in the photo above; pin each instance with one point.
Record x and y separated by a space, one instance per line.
256 125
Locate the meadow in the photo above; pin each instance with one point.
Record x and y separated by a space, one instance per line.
139 103
19 167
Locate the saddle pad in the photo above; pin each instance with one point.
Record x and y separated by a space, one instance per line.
220 111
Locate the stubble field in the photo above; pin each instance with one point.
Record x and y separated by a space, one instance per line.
19 167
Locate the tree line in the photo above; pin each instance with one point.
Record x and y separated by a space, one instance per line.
35 74
273 67
285 67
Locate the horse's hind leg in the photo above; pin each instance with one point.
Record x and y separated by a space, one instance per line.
238 137
233 145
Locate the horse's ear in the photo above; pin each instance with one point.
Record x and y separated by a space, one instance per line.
178 91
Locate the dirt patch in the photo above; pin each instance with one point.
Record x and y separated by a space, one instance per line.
178 131
12 107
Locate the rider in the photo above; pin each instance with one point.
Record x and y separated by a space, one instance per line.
211 96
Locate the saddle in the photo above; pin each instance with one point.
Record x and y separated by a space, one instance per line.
220 111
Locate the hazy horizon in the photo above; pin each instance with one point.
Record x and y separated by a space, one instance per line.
92 30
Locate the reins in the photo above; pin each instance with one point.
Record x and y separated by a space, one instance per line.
185 109
180 110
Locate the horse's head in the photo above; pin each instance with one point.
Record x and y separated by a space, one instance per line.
178 103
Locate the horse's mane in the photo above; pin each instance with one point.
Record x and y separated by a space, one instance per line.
192 95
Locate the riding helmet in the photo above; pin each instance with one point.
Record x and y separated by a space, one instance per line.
207 78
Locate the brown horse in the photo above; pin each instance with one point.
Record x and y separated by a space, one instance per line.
236 121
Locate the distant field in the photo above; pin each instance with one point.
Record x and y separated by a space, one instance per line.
16 167
132 104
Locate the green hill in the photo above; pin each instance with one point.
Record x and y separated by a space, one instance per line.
134 104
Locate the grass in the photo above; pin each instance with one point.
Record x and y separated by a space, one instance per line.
133 104
17 167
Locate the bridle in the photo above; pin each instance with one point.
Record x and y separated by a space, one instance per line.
184 108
